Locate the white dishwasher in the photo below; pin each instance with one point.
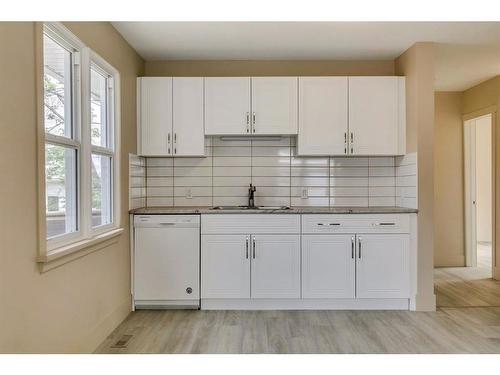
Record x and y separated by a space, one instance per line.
166 261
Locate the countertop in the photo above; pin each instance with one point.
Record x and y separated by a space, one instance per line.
292 210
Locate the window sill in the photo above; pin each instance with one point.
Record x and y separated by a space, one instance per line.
76 250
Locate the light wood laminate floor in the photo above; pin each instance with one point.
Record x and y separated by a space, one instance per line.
467 321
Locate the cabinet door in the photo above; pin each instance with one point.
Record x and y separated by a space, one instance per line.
275 266
188 129
375 115
274 105
155 116
166 264
383 266
225 266
227 105
322 116
328 266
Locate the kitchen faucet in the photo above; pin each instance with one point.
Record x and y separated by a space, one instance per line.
251 198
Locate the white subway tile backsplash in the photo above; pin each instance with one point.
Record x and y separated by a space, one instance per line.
271 181
349 201
160 171
231 171
271 171
159 162
155 201
232 181
194 201
270 151
231 151
193 181
270 161
309 172
311 201
349 171
161 191
222 178
239 161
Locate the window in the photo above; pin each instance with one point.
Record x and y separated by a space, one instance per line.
80 123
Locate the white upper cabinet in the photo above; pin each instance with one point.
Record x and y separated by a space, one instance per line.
188 129
170 116
274 105
154 116
377 115
227 105
322 116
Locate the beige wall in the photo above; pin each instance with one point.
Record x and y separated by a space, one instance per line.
73 307
449 237
211 68
417 64
483 179
478 100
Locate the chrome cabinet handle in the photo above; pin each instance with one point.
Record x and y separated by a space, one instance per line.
246 247
253 243
334 224
248 122
352 247
253 121
359 247
383 224
345 142
168 143
352 142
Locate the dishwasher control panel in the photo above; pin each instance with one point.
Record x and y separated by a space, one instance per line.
167 220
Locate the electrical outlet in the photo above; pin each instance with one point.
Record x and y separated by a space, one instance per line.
304 194
189 194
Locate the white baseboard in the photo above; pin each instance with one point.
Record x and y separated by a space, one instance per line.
452 260
306 304
423 302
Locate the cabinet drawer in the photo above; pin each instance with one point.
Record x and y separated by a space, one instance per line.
356 223
250 224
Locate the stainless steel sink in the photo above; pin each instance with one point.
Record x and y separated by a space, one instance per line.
224 208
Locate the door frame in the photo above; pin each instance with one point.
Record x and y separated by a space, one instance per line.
469 148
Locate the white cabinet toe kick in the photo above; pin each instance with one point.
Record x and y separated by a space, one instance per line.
303 262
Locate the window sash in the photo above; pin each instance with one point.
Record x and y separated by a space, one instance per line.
82 62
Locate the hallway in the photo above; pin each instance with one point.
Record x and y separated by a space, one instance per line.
468 286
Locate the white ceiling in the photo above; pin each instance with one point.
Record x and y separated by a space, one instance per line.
467 52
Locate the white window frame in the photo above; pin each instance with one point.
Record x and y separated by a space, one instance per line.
86 235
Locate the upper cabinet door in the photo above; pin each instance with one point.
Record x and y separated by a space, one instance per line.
227 105
322 116
274 105
377 115
188 129
155 116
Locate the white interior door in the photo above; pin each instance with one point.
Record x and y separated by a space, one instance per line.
328 266
322 116
166 264
275 270
374 115
274 105
225 266
227 105
470 193
155 126
382 269
188 129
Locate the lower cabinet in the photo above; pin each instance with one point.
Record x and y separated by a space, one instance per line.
355 266
225 266
328 266
382 266
250 266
